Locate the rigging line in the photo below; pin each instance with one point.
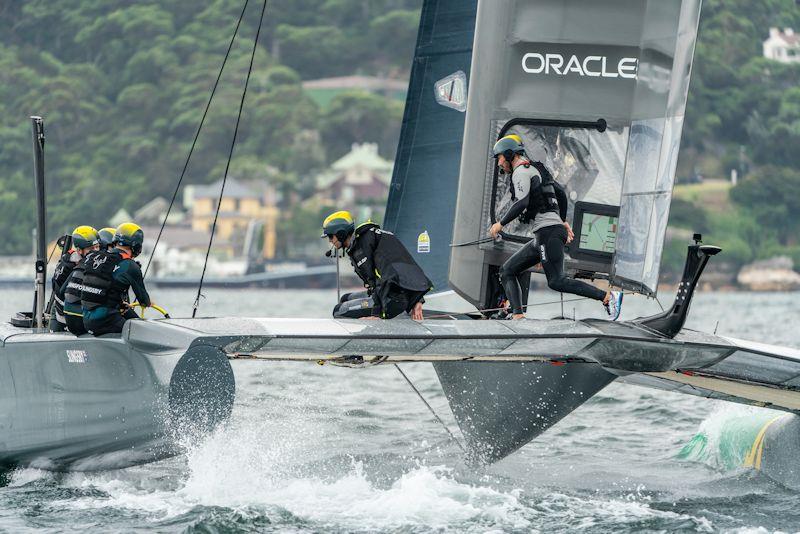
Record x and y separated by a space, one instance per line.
524 306
230 157
659 304
475 242
196 136
430 408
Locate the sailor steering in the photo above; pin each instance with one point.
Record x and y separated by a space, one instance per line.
539 200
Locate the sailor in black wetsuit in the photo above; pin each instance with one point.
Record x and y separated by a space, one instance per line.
107 278
84 239
539 200
392 278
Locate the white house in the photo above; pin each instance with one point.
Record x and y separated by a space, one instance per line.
783 46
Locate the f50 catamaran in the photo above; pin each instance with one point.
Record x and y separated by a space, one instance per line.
597 90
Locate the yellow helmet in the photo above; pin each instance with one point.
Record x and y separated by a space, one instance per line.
340 224
84 237
507 146
130 235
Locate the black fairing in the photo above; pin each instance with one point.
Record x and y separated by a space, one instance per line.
670 322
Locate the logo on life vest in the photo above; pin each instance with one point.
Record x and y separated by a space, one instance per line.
423 243
361 262
97 262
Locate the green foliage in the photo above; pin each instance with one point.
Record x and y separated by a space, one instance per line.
357 117
772 195
122 86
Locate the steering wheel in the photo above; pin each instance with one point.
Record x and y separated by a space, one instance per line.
156 307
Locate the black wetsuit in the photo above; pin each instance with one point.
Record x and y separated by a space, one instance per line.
60 275
392 278
547 245
107 278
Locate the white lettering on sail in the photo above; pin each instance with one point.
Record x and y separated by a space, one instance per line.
591 66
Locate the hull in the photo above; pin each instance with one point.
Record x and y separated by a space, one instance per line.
98 403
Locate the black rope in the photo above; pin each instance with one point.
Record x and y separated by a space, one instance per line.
452 436
196 136
470 243
230 157
524 306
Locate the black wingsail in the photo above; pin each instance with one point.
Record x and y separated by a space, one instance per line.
422 196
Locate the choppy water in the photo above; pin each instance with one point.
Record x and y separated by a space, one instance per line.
322 449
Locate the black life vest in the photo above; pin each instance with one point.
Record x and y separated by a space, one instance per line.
60 276
390 262
99 287
72 292
542 196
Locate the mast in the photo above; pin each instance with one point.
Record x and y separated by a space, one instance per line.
37 124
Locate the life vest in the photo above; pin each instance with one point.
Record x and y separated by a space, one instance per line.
72 292
60 275
542 196
99 287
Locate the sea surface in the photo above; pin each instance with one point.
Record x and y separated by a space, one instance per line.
315 448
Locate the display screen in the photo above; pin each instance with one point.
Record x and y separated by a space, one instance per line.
598 232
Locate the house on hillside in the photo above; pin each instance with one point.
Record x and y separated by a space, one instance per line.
360 179
783 46
246 213
154 212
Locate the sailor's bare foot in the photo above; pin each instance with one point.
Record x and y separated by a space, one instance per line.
518 316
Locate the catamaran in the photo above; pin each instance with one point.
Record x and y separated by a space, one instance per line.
597 90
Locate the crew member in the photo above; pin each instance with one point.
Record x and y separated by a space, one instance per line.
539 200
71 294
391 276
84 238
107 238
108 276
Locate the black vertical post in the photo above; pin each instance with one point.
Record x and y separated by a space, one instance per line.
37 124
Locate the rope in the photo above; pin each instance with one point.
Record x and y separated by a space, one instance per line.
230 157
196 135
430 408
659 304
498 309
475 242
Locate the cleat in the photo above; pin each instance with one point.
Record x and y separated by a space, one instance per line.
614 306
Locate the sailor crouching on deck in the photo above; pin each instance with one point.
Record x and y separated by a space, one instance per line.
84 240
539 200
107 278
392 278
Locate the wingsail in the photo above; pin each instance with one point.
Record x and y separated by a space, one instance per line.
422 195
597 91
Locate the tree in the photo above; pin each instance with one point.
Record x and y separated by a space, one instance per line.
358 117
772 194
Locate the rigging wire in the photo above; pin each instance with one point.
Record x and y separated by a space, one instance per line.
439 419
196 136
475 242
230 157
524 306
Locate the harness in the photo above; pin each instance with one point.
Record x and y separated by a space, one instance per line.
99 287
542 196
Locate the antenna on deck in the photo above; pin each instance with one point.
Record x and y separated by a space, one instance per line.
37 125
